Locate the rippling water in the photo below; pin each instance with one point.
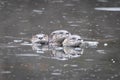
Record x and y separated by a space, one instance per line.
94 20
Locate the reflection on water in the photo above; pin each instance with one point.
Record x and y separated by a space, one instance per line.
28 61
59 53
96 20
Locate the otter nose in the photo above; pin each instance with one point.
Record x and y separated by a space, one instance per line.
79 39
40 37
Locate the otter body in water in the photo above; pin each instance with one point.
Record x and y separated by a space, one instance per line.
55 39
58 36
73 41
40 38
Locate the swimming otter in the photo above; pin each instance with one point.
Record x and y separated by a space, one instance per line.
58 36
40 38
55 39
73 41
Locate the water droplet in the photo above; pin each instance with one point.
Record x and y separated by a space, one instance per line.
105 44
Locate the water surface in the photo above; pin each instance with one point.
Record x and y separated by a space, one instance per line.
96 20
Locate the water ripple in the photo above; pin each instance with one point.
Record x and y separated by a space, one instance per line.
108 8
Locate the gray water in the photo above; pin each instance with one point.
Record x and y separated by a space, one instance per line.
96 20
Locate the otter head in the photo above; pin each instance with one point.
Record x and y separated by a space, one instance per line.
73 41
59 35
40 38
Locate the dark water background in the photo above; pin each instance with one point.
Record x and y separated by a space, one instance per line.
92 19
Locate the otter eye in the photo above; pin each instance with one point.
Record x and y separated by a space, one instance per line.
67 33
79 39
61 33
73 38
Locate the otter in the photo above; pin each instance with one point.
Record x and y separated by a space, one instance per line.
64 38
58 36
55 39
73 41
40 38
